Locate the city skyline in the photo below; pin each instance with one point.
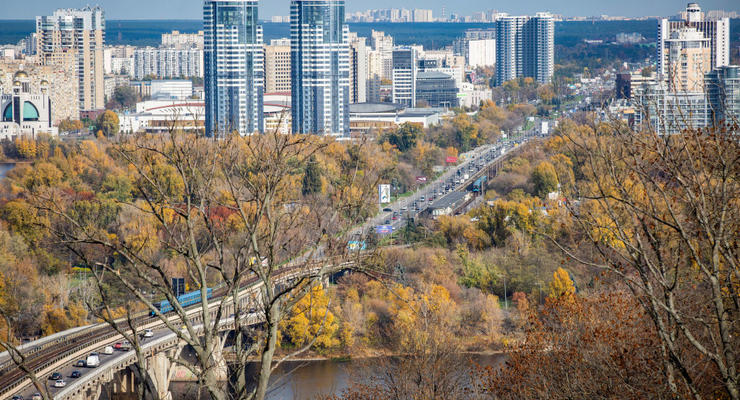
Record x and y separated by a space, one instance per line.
192 9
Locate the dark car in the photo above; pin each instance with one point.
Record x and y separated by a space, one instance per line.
17 397
55 376
387 222
80 363
387 210
75 374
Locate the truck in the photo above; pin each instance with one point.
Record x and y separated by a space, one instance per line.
545 129
92 361
466 177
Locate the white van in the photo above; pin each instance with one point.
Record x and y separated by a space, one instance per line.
93 360
108 350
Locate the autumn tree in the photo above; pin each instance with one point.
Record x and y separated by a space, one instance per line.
311 321
561 285
404 137
108 123
661 213
68 125
545 179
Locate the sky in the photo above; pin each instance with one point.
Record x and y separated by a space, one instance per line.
191 9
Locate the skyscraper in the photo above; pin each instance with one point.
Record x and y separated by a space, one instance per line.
358 69
525 47
277 66
404 76
716 31
687 59
76 36
320 67
233 66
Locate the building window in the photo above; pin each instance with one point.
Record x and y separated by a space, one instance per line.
30 112
8 113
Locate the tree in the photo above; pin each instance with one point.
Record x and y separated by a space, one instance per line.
312 177
108 123
217 213
125 96
662 215
68 125
404 137
561 285
312 322
545 179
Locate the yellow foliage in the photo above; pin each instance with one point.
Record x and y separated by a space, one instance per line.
561 284
311 318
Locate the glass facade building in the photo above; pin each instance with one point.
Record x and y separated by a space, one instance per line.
723 95
436 90
525 47
233 67
320 70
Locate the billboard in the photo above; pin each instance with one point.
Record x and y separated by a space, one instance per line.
384 229
421 179
356 245
451 160
384 193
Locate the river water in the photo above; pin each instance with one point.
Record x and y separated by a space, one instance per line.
4 168
307 380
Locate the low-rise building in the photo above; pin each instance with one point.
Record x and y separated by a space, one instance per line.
366 117
435 89
25 113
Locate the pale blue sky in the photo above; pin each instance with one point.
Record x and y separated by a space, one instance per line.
191 9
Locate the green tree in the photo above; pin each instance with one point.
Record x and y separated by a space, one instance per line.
125 96
545 179
405 137
312 177
108 123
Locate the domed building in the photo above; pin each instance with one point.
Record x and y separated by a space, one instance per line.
23 113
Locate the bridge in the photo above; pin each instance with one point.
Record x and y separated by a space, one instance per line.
58 352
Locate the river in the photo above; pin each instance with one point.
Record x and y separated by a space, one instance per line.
4 168
307 380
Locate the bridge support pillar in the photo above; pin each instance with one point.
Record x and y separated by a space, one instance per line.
124 386
160 372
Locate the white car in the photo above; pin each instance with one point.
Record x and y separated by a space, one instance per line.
60 383
108 350
148 333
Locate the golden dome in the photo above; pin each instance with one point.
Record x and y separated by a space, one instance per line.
21 74
16 83
44 82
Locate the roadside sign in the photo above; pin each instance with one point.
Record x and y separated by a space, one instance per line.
451 160
384 192
355 245
384 229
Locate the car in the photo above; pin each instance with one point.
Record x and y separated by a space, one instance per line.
395 217
75 374
60 383
387 222
108 350
80 363
404 208
118 346
36 396
148 333
55 376
387 210
126 345
17 397
93 361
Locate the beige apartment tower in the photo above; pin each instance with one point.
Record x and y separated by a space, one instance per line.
277 66
76 36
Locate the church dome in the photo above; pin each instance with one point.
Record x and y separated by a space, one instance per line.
21 74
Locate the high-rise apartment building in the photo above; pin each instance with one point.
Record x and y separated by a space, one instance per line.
178 40
76 35
716 31
277 67
167 63
687 56
357 69
525 47
723 94
320 67
423 15
383 45
234 67
404 76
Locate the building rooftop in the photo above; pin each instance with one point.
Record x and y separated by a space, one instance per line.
370 108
